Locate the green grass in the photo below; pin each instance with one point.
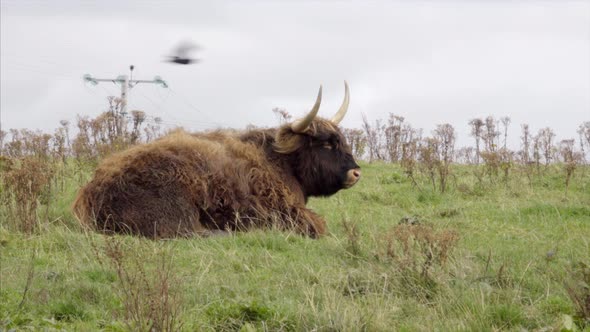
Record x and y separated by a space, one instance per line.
518 243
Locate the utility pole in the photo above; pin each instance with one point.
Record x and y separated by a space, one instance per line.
127 83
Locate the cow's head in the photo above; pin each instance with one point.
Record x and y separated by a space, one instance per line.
319 154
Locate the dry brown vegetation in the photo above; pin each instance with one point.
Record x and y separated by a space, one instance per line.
27 182
418 248
150 299
395 141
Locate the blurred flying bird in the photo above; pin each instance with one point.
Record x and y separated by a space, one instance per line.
181 53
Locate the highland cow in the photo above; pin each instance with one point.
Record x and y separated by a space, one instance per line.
185 184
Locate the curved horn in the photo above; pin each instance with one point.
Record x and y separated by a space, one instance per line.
300 125
342 111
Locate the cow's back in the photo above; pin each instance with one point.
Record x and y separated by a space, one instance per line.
153 189
181 185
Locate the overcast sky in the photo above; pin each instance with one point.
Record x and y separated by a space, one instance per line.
432 62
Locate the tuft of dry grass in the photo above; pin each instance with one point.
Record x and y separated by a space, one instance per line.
26 181
417 247
353 237
578 290
416 255
147 289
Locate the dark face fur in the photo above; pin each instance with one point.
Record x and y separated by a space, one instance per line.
323 162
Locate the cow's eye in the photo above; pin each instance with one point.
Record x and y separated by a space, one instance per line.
327 146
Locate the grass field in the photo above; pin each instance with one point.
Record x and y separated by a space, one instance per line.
483 256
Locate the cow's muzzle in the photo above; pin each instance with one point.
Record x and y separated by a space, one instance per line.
352 177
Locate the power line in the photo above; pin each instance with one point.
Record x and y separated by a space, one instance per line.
159 108
38 59
35 69
188 103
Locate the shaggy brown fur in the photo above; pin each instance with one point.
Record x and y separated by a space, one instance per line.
187 184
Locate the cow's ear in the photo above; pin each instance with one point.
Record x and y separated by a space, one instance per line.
287 142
